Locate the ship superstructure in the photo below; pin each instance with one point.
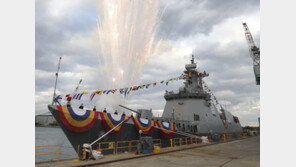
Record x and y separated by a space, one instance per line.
192 109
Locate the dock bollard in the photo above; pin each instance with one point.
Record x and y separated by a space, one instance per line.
86 151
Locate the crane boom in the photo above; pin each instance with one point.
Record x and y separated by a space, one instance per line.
254 53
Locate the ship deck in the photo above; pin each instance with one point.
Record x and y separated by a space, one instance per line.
242 152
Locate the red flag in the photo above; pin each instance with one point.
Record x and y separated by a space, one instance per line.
135 88
69 98
92 96
114 90
77 96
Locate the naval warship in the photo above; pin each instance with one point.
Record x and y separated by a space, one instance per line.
189 111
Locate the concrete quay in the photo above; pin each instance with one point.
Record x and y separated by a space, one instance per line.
242 153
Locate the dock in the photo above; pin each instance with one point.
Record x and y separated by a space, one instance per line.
242 152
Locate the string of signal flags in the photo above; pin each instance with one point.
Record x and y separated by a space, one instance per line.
209 91
123 91
127 90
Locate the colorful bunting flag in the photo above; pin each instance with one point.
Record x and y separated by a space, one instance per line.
125 91
190 73
92 96
147 85
114 90
58 97
86 92
69 98
121 90
129 90
74 96
79 95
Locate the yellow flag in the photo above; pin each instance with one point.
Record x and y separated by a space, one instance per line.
190 74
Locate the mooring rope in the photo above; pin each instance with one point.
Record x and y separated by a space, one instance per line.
106 133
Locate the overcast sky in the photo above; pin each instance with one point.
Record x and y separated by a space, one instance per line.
212 30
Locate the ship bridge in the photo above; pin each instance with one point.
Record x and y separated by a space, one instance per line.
191 107
192 88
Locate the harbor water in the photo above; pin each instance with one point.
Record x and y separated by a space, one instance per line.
52 136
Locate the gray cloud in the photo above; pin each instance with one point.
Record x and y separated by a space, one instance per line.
190 17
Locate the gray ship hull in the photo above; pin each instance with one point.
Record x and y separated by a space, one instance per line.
128 132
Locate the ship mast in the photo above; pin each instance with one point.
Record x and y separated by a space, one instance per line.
194 80
56 81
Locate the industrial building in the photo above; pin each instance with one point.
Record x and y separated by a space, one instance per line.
44 119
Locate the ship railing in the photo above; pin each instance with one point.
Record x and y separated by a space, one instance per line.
58 153
177 142
183 141
129 146
157 142
107 146
126 145
188 140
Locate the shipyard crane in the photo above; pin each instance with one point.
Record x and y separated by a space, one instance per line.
254 53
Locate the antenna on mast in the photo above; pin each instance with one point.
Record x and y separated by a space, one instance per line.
55 85
192 60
